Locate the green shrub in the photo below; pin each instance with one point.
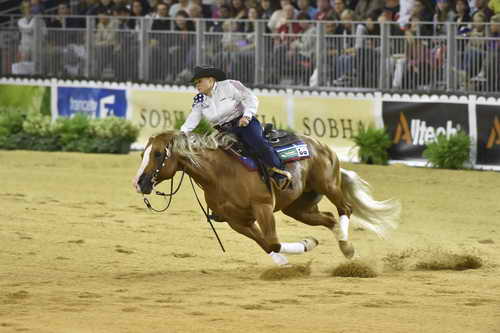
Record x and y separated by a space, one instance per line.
203 127
37 124
36 131
449 153
11 122
71 131
373 144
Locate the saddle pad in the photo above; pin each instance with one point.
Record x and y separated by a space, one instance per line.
289 153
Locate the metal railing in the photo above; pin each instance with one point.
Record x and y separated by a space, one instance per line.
132 49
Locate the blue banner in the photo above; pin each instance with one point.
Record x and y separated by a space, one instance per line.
94 102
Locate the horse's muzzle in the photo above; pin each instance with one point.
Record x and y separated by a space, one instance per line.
145 184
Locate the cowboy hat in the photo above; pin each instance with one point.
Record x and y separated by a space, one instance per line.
206 71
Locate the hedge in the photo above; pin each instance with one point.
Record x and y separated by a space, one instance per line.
36 131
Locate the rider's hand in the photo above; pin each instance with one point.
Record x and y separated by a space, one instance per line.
244 121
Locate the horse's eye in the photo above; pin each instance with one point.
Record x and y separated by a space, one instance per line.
157 154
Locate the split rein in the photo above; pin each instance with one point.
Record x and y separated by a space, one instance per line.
170 195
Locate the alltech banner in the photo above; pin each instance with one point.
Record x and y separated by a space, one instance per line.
333 121
488 134
158 111
412 126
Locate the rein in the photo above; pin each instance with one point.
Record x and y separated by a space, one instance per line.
169 195
172 193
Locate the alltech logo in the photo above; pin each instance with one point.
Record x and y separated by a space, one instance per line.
418 133
494 138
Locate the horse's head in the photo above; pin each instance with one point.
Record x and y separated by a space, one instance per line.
158 163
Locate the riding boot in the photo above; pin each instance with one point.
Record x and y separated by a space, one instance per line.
281 178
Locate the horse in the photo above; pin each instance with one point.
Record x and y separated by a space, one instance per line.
243 200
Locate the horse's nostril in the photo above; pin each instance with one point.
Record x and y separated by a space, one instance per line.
141 179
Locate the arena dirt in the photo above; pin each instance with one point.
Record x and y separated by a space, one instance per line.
80 253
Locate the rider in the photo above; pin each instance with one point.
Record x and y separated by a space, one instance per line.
231 107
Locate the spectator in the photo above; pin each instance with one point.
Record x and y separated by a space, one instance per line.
482 6
305 7
324 10
287 32
338 7
136 13
267 10
278 15
405 10
182 45
367 56
363 7
444 13
474 50
159 43
302 50
225 13
240 12
494 5
105 41
101 7
421 14
216 8
463 15
26 26
344 62
126 50
491 67
181 5
418 58
205 10
37 8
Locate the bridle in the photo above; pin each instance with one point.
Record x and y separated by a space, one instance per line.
161 163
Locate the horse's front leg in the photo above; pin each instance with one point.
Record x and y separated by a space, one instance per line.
265 219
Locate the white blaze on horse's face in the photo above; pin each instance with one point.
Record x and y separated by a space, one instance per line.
144 164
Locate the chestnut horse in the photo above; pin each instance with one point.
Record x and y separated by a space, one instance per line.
245 202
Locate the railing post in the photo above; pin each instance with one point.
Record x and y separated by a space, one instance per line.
89 45
37 40
259 52
143 50
384 76
200 25
451 56
320 52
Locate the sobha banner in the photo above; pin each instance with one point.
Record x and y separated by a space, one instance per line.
333 121
158 111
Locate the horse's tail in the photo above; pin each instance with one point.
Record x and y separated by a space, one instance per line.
377 216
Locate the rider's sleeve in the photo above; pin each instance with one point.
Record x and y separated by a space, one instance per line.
246 97
192 120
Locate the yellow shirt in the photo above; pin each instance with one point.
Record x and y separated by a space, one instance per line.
495 6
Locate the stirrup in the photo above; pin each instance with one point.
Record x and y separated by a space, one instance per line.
282 184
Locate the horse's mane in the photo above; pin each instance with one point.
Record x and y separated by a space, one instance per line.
191 145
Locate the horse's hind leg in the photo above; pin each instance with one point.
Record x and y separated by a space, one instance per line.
305 209
334 193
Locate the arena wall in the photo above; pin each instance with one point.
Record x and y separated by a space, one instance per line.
333 118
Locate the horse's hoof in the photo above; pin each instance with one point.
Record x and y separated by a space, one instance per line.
309 243
347 249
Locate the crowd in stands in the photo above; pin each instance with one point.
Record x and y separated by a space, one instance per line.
291 48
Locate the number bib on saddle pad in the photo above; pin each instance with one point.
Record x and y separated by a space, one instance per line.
288 146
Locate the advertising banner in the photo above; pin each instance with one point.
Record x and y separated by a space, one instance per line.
94 102
158 111
488 134
333 121
21 97
412 126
